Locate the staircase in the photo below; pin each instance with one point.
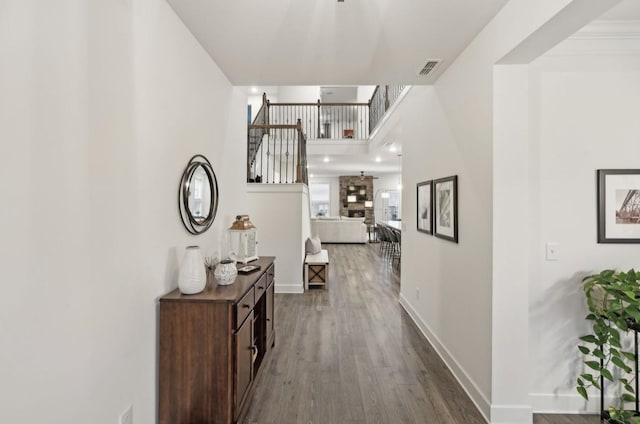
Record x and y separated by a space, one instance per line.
277 137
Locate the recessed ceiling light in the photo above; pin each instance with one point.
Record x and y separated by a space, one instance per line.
254 90
326 159
378 159
310 175
392 148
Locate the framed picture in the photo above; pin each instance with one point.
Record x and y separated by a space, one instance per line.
618 205
445 208
425 210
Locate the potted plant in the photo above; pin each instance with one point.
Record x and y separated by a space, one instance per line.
613 299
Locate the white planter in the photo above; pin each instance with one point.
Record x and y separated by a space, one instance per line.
226 272
192 278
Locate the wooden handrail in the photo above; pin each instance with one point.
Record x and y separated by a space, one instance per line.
318 103
274 126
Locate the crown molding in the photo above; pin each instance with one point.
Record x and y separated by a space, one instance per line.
609 30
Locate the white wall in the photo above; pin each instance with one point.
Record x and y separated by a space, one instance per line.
386 182
365 92
454 280
298 94
334 192
584 112
103 104
465 300
280 212
256 103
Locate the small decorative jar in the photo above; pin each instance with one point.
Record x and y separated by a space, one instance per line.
192 277
226 272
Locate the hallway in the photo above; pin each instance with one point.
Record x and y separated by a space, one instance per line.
350 354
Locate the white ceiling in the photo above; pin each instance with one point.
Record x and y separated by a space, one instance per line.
358 42
627 10
324 42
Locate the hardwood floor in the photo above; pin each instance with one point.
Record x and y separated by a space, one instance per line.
350 354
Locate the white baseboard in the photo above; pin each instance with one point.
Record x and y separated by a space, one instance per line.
550 403
511 414
289 288
547 403
477 397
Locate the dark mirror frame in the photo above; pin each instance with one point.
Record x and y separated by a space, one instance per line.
192 224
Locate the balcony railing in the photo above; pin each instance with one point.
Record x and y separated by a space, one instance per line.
324 120
384 96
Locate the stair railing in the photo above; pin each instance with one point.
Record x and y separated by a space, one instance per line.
280 125
280 156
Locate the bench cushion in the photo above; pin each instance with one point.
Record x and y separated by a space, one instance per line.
318 258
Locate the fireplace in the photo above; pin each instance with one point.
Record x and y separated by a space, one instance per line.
356 213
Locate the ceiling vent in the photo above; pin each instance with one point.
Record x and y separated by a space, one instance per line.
429 67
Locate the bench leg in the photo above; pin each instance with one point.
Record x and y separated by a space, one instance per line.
306 276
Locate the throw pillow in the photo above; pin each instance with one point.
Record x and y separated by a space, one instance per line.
312 246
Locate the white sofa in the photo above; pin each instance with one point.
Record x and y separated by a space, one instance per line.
339 229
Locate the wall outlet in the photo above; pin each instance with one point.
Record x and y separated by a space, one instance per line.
417 293
127 416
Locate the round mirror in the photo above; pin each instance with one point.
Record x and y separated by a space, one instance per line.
198 195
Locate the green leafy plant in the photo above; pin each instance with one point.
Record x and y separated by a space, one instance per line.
613 299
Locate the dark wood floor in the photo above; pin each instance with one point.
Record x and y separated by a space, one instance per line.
351 354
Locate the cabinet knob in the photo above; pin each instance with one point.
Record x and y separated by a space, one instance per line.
244 305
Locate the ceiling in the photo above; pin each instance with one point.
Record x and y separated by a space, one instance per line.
336 46
325 42
375 164
627 10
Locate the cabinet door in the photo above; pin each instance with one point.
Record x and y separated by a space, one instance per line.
270 315
243 363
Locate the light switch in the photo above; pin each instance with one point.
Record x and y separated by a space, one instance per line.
552 251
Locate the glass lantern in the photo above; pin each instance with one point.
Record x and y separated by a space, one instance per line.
243 239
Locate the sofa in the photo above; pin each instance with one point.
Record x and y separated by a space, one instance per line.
339 229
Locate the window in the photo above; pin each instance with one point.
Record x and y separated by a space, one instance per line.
319 195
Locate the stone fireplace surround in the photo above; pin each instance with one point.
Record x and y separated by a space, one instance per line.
346 207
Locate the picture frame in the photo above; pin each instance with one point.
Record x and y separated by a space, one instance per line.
618 193
424 197
445 208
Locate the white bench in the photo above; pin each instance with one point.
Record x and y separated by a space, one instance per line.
316 270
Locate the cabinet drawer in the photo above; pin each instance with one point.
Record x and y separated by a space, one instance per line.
270 274
244 307
261 287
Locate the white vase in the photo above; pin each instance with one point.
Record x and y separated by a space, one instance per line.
193 276
226 272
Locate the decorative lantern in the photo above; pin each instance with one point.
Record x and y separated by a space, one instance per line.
243 239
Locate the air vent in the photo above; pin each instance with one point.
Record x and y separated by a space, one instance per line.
429 67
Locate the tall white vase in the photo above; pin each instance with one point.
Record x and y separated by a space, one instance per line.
193 276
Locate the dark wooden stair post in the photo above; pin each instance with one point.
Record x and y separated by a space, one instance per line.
300 147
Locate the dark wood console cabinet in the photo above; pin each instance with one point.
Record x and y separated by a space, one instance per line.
212 345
